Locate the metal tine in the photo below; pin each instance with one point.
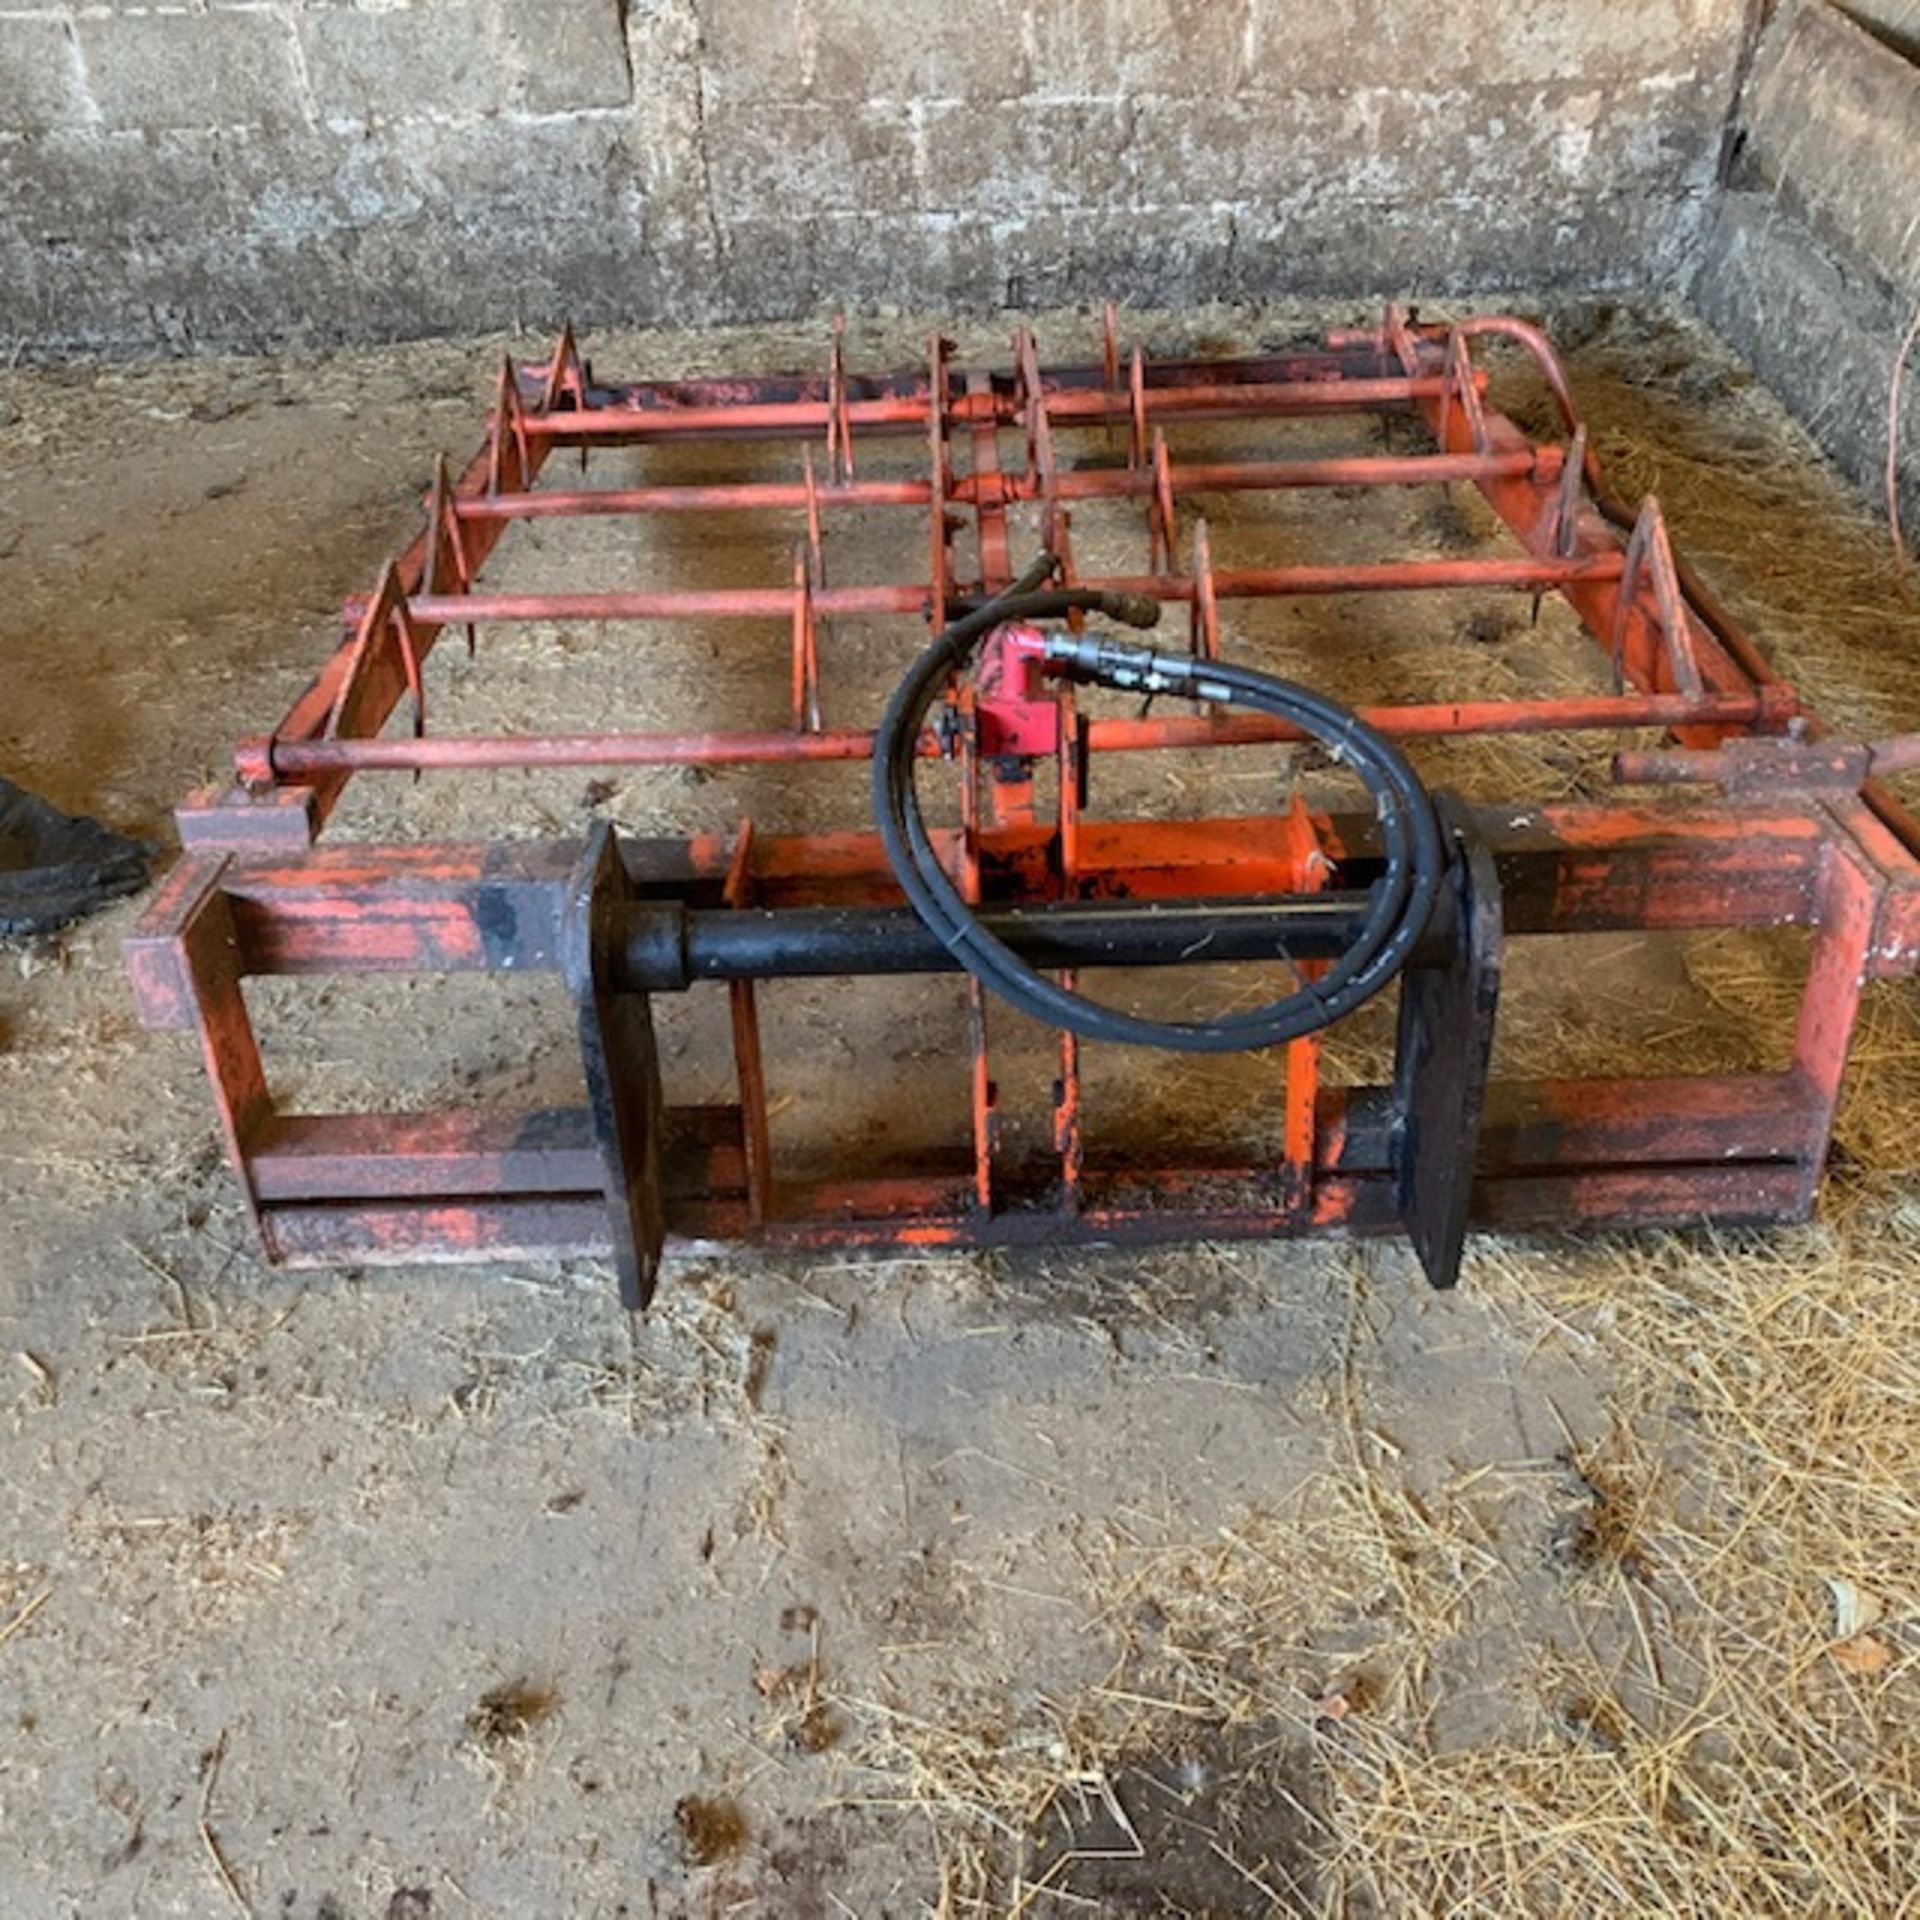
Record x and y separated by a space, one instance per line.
1563 528
443 525
1649 550
1137 406
816 552
1203 629
1162 523
839 419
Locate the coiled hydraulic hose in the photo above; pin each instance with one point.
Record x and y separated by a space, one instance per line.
1401 900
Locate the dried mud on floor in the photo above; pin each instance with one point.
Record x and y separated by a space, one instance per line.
1221 1581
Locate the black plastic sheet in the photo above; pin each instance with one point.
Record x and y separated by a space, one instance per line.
55 868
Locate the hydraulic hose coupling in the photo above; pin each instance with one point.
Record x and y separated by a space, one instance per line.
1094 660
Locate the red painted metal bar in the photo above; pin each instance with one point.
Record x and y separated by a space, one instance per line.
1891 811
984 794
767 496
1595 713
1355 356
1736 1148
1795 764
749 1063
874 1216
907 412
441 908
744 496
1230 583
502 460
1532 1126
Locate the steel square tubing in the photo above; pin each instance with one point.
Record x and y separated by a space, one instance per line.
443 908
1730 1147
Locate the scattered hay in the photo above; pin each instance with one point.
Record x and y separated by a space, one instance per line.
1703 1728
1718 1713
801 1716
22 1594
178 1575
694 1355
713 1829
1212 1687
502 1735
504 1716
1602 1530
1767 1434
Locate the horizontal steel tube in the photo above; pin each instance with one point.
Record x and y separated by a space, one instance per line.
754 496
1359 358
798 419
1832 762
1449 719
710 603
478 752
1098 483
666 947
1585 714
1243 583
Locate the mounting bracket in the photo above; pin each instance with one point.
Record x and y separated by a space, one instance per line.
1448 1000
622 1062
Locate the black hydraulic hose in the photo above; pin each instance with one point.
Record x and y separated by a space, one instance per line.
1400 902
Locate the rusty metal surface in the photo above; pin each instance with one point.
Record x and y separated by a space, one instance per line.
1795 836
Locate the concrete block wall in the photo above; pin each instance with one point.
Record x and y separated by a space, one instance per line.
1897 22
1810 261
242 172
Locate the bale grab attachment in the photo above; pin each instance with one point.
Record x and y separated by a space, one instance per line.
1747 818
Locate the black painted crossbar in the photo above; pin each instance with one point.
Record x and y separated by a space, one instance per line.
665 946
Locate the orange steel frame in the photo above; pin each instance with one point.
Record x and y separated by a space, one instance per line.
255 894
